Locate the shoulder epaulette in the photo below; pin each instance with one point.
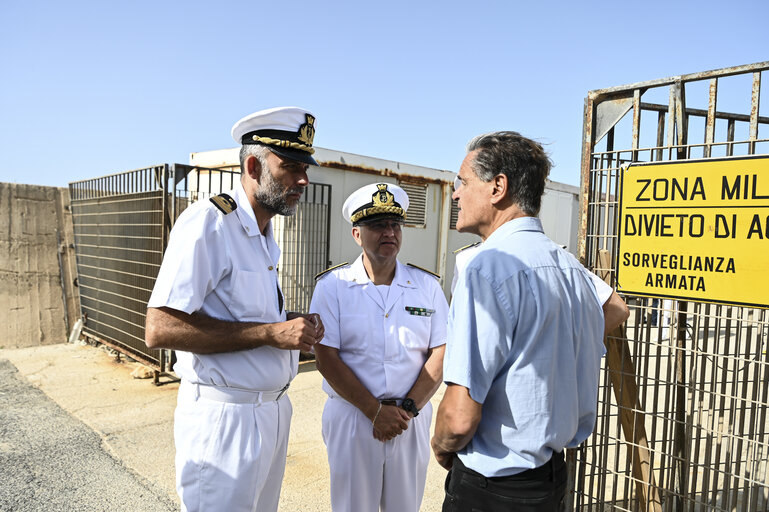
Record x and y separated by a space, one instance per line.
329 269
476 244
424 270
224 203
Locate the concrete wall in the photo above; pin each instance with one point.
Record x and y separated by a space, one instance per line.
35 235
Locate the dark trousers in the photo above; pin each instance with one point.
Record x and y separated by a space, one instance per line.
535 490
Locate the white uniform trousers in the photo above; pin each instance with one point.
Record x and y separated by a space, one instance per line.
229 456
368 475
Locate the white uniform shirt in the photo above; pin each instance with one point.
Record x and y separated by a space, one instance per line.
383 343
222 266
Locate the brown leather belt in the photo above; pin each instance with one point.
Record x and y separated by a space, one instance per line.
391 401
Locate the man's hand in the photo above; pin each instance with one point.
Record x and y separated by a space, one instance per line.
615 312
390 422
320 330
300 332
455 424
444 458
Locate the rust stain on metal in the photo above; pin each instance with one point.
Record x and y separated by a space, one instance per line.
710 120
754 102
585 189
390 173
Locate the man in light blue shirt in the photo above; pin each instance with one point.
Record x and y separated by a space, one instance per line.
525 340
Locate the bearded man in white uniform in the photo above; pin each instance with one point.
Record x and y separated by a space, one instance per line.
217 302
381 358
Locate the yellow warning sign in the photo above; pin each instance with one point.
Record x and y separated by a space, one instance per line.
696 230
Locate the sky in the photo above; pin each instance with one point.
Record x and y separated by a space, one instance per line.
94 88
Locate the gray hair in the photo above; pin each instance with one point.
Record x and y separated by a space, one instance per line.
257 150
522 160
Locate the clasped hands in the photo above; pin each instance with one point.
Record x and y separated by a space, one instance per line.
391 421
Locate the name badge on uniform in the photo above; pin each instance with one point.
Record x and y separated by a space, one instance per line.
419 311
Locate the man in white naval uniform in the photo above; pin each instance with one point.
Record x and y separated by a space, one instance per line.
217 302
381 358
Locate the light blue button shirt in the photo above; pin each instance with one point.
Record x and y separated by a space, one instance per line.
526 338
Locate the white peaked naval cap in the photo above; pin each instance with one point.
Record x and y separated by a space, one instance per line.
286 131
375 201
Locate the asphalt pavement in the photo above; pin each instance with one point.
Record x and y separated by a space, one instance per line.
50 460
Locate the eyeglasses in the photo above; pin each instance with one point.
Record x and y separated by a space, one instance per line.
382 225
458 182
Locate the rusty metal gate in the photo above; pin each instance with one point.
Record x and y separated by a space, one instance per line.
122 223
682 413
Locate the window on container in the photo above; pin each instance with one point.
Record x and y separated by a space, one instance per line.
416 215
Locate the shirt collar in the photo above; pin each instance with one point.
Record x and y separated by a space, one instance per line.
358 271
246 212
513 226
359 275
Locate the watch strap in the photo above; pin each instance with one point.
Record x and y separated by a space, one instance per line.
409 406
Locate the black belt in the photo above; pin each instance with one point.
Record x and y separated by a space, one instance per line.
391 401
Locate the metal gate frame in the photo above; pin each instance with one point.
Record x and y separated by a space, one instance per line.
682 422
122 223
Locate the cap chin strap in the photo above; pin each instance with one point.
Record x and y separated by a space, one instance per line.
283 143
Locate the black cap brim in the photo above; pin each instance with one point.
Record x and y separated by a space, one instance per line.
379 216
293 154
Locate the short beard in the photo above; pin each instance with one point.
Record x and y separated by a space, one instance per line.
272 197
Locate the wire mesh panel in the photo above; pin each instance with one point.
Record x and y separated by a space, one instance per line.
118 222
304 242
682 411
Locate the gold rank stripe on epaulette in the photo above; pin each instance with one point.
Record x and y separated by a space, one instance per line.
424 270
224 203
329 269
457 251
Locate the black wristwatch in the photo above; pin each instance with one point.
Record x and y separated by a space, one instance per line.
408 405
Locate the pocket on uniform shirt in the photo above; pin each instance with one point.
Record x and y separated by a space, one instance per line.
251 297
355 333
414 331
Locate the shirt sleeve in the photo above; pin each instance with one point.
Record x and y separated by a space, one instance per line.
479 335
326 304
193 264
603 290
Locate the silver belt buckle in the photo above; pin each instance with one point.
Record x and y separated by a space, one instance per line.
283 391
